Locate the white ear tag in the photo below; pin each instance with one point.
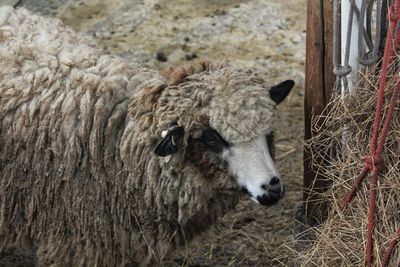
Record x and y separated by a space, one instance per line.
164 133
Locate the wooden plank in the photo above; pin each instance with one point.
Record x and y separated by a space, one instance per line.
329 76
319 82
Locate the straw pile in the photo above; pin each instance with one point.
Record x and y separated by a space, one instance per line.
342 237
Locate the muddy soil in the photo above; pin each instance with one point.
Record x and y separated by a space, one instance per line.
266 35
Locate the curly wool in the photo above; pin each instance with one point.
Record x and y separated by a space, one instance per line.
236 102
79 184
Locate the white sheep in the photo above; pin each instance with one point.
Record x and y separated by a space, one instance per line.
104 163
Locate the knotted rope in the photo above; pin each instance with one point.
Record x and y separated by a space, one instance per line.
373 162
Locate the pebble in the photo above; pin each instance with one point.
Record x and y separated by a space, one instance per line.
191 56
161 56
157 7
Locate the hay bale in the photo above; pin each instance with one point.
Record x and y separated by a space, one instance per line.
342 237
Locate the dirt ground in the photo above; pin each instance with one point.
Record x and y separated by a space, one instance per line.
266 35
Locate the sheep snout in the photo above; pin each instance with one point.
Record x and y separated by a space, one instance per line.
255 171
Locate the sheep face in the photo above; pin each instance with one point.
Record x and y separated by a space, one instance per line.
236 125
251 162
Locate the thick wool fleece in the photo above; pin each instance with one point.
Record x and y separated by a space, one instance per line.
79 184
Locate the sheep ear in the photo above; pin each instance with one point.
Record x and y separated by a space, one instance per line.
170 142
279 92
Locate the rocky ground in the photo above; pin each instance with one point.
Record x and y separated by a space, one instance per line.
266 35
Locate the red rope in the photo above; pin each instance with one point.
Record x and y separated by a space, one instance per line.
389 250
373 162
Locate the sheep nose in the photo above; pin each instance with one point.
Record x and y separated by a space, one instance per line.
272 196
274 181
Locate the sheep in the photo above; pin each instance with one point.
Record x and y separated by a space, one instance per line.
106 163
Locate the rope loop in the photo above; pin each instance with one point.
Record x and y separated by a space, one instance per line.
342 71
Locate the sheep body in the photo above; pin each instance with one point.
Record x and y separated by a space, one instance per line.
63 111
79 184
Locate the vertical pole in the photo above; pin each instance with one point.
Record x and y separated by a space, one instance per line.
319 82
353 52
329 76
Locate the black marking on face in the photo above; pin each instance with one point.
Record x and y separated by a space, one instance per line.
214 141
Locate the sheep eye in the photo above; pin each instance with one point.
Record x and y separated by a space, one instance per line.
210 138
213 140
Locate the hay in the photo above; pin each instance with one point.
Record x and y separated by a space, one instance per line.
249 236
342 237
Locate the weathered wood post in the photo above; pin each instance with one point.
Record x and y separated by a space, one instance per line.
319 83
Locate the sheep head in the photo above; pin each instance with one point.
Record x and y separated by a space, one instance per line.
215 121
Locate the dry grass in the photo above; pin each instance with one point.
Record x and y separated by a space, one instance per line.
342 237
242 239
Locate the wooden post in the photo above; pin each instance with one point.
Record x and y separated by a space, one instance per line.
319 82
